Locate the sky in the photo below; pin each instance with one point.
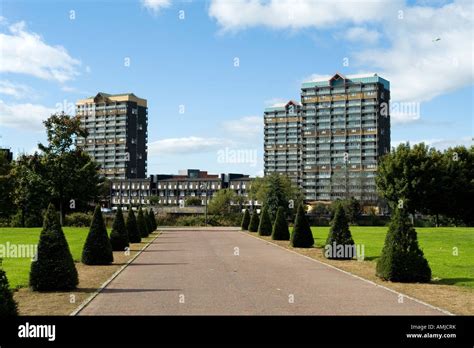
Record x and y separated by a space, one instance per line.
209 68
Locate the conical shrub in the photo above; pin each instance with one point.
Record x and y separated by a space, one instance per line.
302 237
280 227
245 220
153 219
149 227
150 221
265 225
119 235
8 306
402 260
141 224
132 227
339 244
254 221
53 268
97 248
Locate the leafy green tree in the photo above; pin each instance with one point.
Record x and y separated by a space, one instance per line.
402 260
455 189
141 224
71 174
97 248
30 194
280 227
404 177
245 220
132 227
224 202
265 225
8 306
340 237
276 190
302 237
353 210
193 202
254 221
119 236
53 269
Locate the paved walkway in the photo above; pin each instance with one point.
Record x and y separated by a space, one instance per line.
195 271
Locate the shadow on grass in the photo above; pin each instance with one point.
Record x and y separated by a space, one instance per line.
452 281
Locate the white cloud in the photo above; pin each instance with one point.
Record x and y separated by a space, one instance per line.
25 52
247 127
419 68
186 145
155 5
361 34
280 14
24 116
15 90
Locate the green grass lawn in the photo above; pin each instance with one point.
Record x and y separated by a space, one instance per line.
436 243
17 269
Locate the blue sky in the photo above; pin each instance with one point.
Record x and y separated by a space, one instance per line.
50 57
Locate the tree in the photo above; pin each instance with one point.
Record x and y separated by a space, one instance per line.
280 227
276 190
402 260
353 209
119 236
302 237
132 227
224 202
339 244
8 306
97 248
245 220
71 174
193 202
141 224
254 221
30 194
275 197
53 268
265 225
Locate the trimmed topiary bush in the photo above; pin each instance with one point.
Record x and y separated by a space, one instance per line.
280 227
402 260
97 248
53 268
339 244
132 228
152 219
302 237
141 224
150 216
265 225
119 236
8 306
149 227
254 221
245 220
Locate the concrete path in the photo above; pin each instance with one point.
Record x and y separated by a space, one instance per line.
196 271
